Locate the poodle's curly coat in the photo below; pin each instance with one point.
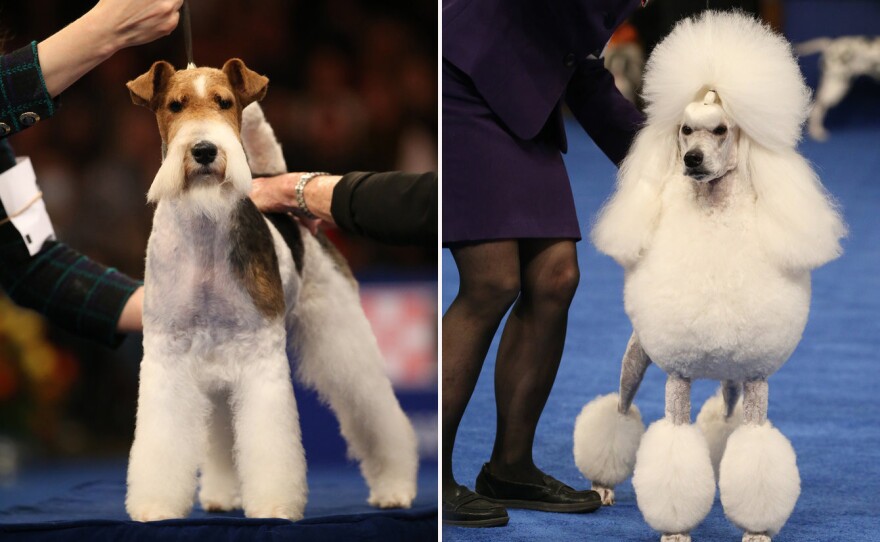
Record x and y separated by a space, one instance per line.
716 287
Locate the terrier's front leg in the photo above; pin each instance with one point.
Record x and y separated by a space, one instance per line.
219 481
271 460
168 439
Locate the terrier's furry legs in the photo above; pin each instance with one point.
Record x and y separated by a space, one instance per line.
673 477
219 482
168 441
759 478
608 429
271 460
337 355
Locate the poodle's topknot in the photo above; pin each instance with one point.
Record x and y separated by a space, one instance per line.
752 69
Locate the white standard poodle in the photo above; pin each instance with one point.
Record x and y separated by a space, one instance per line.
717 222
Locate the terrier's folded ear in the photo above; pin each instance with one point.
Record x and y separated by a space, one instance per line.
248 84
146 89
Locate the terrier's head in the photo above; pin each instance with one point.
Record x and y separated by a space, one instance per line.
707 140
199 116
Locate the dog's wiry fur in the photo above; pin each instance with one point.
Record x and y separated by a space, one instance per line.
226 300
717 222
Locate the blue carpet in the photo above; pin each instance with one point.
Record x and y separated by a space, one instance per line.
825 399
86 502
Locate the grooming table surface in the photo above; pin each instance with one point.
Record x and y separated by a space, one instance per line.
826 399
79 502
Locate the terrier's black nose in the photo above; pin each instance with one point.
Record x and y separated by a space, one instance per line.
204 152
693 158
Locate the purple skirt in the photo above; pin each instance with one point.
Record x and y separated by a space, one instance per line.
495 185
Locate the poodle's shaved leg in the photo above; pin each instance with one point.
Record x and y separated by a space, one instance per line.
609 459
755 395
632 369
673 477
678 400
755 399
731 392
758 478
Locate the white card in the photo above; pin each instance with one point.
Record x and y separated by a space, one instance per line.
18 188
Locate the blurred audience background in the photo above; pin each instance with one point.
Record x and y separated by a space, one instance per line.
353 86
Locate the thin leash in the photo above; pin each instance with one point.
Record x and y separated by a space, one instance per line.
187 35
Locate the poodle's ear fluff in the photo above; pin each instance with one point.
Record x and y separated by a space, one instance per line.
798 221
626 223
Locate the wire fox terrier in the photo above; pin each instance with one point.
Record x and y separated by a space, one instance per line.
229 295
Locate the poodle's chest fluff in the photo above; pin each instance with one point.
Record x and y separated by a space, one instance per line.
705 301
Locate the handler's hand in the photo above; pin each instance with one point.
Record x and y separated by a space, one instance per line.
135 22
278 195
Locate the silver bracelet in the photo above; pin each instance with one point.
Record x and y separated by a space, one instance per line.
300 196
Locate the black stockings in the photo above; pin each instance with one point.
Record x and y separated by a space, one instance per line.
541 276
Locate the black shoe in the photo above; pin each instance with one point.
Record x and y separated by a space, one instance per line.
550 496
464 508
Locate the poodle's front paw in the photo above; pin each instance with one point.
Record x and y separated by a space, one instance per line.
153 512
680 537
607 494
755 537
400 496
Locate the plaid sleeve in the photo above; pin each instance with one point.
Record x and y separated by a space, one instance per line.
74 292
24 100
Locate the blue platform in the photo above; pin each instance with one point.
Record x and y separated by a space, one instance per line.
825 399
85 502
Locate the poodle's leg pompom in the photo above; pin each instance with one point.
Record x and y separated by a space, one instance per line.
717 420
673 478
605 443
759 478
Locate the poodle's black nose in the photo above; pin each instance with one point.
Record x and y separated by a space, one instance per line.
693 158
204 152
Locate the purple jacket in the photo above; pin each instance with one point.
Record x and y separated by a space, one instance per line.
525 56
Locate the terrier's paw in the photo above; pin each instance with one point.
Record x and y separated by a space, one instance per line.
681 537
755 537
219 502
392 498
279 511
607 494
154 512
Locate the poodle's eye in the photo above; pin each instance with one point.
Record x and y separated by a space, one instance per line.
223 103
175 106
720 130
686 130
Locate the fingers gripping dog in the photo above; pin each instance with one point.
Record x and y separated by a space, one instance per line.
230 295
717 222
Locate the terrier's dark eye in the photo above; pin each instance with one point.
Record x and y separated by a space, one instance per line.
223 103
686 130
175 106
720 130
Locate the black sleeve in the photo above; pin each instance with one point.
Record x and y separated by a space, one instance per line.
24 100
72 291
394 207
609 118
